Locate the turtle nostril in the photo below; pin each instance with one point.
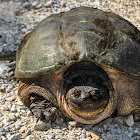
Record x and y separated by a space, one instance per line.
84 99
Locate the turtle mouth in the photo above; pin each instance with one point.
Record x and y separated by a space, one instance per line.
89 103
89 110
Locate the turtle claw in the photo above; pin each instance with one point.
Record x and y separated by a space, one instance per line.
43 109
50 114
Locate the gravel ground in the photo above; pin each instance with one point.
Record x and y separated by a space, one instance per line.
17 18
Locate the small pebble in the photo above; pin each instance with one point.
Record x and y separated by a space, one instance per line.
3 138
8 90
73 123
17 115
2 129
79 133
12 98
48 3
126 138
3 70
14 137
13 109
28 132
130 134
29 113
93 139
5 108
17 126
22 130
82 136
27 5
130 120
2 133
12 117
57 130
9 135
41 126
50 137
105 127
8 128
138 132
28 138
69 127
6 120
130 129
119 131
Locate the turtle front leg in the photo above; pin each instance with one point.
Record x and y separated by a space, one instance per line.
42 108
40 95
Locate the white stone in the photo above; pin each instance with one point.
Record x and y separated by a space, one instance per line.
73 123
6 120
136 131
2 129
22 130
14 137
5 108
82 136
41 126
28 138
7 129
130 120
9 88
13 109
29 113
17 126
17 115
2 88
28 132
105 127
3 138
130 134
12 117
12 98
3 69
69 127
50 137
48 3
57 130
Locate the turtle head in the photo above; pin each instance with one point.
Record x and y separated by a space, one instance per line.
87 101
79 94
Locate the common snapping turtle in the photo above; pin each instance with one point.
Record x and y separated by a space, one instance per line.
85 63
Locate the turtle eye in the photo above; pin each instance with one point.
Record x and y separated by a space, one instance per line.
77 93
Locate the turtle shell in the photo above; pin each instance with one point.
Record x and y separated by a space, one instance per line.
80 34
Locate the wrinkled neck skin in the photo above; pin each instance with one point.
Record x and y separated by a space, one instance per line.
127 87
